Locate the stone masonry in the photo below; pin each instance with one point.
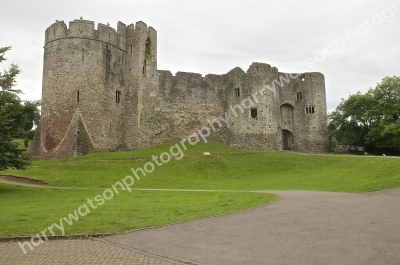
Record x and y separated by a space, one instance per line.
102 91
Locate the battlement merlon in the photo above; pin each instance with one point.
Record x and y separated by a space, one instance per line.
122 29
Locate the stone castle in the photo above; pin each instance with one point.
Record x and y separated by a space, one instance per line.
102 91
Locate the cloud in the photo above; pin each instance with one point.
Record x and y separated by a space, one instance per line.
216 36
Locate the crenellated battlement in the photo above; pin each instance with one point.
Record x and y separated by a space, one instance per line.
85 29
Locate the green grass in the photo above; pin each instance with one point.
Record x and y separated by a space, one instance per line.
27 211
20 143
226 168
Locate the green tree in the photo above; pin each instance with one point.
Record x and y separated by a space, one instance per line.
370 119
13 118
385 134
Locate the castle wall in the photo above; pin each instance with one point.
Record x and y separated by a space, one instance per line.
102 91
187 102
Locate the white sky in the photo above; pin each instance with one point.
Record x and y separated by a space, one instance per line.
216 36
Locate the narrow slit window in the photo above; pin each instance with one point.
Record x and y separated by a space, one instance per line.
83 54
253 113
118 97
144 68
77 96
237 92
299 95
131 48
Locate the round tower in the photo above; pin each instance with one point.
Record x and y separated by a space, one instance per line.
90 86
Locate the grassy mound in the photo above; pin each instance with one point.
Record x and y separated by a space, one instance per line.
227 169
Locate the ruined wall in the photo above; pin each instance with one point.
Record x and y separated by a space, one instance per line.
102 91
188 102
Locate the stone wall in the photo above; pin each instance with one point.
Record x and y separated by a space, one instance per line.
102 91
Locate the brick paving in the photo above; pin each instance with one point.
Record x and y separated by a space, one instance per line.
79 251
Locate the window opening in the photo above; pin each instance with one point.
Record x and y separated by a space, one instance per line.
117 96
299 95
237 92
253 113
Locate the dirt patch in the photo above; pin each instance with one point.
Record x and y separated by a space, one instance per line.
23 180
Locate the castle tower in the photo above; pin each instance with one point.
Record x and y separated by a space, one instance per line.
303 113
141 82
92 83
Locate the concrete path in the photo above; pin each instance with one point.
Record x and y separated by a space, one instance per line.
304 227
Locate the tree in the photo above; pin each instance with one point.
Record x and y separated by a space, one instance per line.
385 134
370 119
13 117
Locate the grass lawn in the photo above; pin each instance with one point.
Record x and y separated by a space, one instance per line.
27 211
227 169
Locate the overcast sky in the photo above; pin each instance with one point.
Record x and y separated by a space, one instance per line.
353 43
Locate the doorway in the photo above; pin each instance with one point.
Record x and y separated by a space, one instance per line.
287 140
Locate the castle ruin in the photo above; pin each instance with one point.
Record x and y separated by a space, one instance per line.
102 91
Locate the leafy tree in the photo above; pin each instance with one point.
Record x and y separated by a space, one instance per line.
370 119
13 118
385 133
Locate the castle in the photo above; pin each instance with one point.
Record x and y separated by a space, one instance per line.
102 91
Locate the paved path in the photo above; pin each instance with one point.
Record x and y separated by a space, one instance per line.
304 227
79 252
